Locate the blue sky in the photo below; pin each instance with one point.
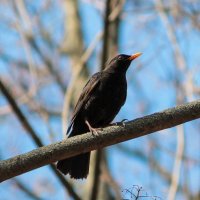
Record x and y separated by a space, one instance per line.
150 89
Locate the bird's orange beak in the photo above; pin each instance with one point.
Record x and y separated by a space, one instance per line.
134 56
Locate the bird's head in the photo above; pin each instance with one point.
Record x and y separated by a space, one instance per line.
121 62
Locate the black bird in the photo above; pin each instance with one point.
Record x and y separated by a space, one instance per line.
100 101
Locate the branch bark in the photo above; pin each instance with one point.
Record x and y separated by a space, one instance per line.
108 136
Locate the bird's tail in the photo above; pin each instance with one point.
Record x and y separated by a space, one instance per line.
77 167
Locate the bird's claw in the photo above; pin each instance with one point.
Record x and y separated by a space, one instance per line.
94 131
120 123
123 122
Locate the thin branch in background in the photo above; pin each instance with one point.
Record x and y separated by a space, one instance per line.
181 67
19 114
154 162
136 192
48 63
116 11
26 190
87 142
33 88
178 55
177 164
73 45
144 158
107 177
28 36
34 136
186 158
24 98
106 34
97 172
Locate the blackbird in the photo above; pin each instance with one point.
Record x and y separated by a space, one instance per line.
100 101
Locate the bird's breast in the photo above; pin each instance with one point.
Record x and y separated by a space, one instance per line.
114 91
107 101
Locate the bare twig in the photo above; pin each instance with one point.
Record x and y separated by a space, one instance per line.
136 192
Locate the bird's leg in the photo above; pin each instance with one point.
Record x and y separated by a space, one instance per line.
93 130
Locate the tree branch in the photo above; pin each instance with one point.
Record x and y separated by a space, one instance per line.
109 136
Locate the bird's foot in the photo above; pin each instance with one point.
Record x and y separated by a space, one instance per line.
123 122
94 131
120 123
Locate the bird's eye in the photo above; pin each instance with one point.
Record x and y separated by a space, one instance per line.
120 58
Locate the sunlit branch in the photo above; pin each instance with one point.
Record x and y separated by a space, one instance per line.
109 136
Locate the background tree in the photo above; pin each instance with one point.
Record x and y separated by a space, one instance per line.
49 48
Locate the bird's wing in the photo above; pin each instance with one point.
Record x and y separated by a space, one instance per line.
89 88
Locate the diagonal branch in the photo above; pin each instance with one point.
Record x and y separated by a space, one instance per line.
27 126
23 187
109 136
21 117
